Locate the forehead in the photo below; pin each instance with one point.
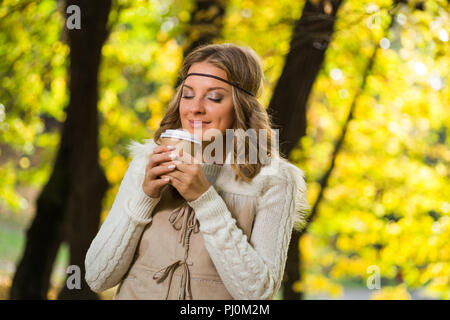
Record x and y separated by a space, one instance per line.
196 81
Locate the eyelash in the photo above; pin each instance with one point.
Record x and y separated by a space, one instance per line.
215 100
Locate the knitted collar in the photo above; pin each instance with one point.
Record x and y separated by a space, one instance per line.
211 171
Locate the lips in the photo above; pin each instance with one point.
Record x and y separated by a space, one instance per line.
197 123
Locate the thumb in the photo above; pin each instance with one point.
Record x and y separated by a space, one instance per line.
187 158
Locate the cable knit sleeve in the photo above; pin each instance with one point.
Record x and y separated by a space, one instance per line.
113 248
252 269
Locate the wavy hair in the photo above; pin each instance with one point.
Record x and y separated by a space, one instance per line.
243 67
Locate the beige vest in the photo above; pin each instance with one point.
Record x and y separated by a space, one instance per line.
171 261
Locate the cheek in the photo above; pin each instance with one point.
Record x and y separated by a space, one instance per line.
227 117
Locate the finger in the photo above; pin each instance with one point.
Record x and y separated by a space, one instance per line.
177 184
172 180
177 175
160 149
187 158
159 183
159 158
162 169
184 167
157 151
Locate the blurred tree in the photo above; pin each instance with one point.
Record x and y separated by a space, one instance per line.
70 204
385 203
386 199
205 25
32 94
312 33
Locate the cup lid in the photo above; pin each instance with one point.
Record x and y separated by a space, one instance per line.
180 134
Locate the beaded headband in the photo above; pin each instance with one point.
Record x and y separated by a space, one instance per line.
219 78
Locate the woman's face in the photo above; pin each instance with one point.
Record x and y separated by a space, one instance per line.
207 100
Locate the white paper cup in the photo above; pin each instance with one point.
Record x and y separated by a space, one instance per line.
181 140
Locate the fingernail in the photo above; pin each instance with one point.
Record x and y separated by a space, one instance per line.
172 156
171 147
166 179
171 166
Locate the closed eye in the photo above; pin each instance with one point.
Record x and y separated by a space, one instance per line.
218 100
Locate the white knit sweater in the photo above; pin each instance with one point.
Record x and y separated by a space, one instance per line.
249 268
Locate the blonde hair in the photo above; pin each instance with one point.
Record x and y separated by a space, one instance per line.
243 67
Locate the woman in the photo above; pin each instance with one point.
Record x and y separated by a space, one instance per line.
218 230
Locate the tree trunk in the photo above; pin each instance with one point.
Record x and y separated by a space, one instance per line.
70 204
294 260
310 39
32 277
287 108
340 141
88 183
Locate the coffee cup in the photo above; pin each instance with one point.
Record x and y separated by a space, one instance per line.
181 140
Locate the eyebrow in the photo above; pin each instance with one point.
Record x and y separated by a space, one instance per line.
212 88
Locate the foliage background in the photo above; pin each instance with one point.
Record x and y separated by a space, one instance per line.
388 199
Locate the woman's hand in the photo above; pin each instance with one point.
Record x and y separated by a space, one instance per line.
161 162
188 178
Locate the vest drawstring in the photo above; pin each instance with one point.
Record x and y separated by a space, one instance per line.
188 225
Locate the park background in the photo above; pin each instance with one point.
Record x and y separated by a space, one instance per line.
358 88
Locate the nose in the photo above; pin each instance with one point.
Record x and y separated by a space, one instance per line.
198 106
